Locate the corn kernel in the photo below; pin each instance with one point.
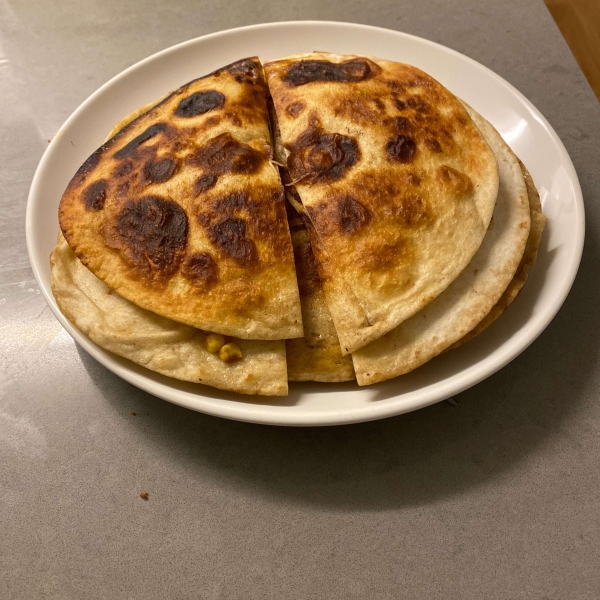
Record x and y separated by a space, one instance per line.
214 342
230 353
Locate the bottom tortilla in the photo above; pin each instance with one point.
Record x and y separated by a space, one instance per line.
157 343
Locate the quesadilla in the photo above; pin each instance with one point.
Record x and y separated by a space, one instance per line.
477 290
182 211
397 181
157 343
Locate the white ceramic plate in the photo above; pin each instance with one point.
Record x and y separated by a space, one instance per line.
519 122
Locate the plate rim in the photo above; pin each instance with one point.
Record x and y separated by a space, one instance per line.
284 415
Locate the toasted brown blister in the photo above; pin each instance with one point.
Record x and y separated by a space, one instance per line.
182 212
395 177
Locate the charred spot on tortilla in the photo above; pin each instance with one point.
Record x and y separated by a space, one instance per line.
231 203
151 234
225 154
411 210
319 157
146 135
357 111
418 104
229 236
246 71
201 268
200 103
401 148
402 124
94 195
123 168
295 109
205 182
159 171
352 214
309 71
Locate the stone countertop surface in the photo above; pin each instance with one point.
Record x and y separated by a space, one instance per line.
497 497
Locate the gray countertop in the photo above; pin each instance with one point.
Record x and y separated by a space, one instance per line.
498 497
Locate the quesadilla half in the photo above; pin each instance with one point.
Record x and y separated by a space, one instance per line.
470 298
398 183
182 212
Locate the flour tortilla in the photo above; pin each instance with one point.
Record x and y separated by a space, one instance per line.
538 221
157 343
467 301
395 177
183 213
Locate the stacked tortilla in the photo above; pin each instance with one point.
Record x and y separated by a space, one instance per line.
409 226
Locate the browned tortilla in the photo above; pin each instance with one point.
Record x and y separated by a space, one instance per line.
182 211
